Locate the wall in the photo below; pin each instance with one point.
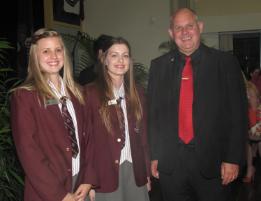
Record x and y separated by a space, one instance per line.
226 7
143 23
227 16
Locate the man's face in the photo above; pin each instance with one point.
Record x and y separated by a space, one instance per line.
185 31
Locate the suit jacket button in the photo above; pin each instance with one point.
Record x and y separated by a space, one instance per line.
69 170
67 149
118 139
116 161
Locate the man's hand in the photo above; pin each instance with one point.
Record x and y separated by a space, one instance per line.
148 184
92 195
154 169
229 172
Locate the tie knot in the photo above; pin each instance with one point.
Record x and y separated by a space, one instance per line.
119 100
187 59
63 99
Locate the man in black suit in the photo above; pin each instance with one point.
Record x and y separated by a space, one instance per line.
196 152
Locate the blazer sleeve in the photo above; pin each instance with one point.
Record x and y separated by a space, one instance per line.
152 107
90 175
32 158
237 127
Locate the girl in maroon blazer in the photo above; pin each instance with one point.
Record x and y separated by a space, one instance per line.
48 125
118 120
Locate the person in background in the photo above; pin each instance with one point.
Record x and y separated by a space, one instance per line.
48 125
116 108
89 74
256 78
197 111
253 103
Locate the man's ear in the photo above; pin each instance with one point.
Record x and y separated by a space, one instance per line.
171 33
200 26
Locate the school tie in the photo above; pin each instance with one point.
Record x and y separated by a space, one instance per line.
186 132
68 122
121 120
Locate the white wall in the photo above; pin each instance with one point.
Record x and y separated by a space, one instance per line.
143 23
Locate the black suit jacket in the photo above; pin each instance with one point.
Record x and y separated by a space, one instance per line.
219 109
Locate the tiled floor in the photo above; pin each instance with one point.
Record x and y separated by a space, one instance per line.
243 191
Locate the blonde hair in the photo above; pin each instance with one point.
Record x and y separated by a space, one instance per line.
36 79
106 88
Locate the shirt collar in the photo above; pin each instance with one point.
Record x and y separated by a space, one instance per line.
120 92
194 56
58 93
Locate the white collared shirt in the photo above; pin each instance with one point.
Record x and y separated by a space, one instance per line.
75 161
126 150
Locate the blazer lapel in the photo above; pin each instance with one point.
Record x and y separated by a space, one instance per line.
79 116
130 117
55 112
173 72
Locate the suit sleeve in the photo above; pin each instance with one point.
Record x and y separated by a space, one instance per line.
32 157
237 111
153 130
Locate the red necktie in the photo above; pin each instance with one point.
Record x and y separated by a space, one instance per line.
186 132
68 123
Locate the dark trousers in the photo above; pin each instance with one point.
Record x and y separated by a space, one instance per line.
186 183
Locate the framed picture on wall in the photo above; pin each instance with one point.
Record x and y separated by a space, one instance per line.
65 13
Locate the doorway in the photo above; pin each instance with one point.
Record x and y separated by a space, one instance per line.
246 47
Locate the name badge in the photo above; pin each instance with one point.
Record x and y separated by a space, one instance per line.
52 102
112 102
136 130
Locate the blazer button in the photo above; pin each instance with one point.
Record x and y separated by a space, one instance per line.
69 170
116 161
67 149
118 139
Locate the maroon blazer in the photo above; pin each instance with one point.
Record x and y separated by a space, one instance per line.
44 149
108 149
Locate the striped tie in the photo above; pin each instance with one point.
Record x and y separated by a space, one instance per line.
121 120
68 122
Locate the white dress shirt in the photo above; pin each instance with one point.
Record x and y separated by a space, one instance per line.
126 150
75 161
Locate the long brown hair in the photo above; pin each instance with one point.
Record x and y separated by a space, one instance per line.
104 82
36 80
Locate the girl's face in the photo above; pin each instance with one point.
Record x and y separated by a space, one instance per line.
50 54
117 60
